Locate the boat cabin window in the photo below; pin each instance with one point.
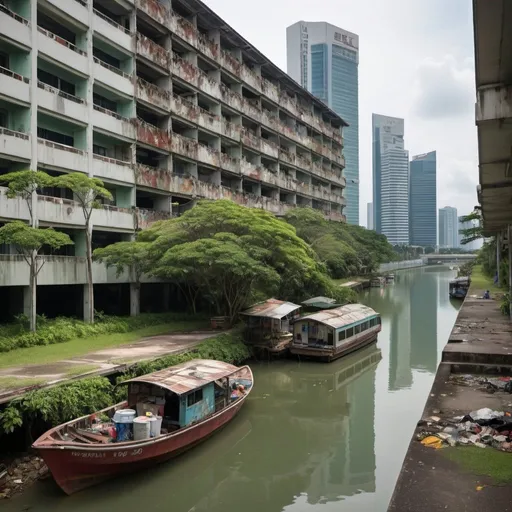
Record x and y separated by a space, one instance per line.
342 335
350 332
194 397
357 329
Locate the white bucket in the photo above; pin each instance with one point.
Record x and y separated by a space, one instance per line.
124 416
141 428
155 425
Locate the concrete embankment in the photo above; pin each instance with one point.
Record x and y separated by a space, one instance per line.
401 265
462 478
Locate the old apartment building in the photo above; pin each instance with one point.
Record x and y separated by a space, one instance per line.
166 104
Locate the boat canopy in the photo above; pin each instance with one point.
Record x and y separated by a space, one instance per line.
321 303
461 281
186 377
271 308
340 317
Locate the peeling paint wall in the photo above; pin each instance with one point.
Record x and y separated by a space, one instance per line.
155 10
144 218
153 94
153 177
153 136
153 51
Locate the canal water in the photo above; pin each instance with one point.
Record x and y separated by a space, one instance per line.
312 436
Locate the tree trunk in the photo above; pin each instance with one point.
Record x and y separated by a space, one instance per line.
33 292
90 291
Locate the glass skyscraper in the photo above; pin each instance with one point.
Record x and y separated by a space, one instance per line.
423 201
324 59
448 228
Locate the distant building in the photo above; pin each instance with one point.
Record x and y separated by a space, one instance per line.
423 200
390 179
369 216
324 59
448 228
476 244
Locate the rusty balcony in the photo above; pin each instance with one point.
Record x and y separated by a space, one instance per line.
270 120
303 188
194 113
251 110
153 52
155 10
208 120
287 182
250 77
208 155
303 163
153 95
269 148
144 218
286 156
231 98
184 146
270 90
230 63
289 104
152 135
230 130
229 163
153 177
250 139
185 70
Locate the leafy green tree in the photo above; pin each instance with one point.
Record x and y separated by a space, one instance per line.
131 256
28 241
476 231
87 192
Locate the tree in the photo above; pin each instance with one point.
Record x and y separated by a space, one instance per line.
126 255
87 192
476 231
28 241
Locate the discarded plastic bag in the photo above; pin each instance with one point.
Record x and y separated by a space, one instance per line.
432 442
485 414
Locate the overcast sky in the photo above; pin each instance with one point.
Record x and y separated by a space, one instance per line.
416 62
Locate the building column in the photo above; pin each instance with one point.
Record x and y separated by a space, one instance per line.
134 299
498 257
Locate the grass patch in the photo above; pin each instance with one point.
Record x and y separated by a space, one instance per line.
14 382
81 368
484 462
80 346
481 282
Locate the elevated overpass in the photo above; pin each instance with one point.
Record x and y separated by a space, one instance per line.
431 259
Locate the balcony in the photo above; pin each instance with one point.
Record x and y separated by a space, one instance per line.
156 11
257 173
289 104
251 110
250 139
303 188
16 208
153 52
15 27
79 10
112 31
113 217
184 146
229 163
153 136
56 101
57 211
322 193
230 63
109 121
231 98
14 85
270 120
186 31
208 155
230 130
208 121
287 183
61 51
113 77
60 156
286 156
15 145
269 148
145 218
250 77
153 177
113 170
153 95
270 90
303 163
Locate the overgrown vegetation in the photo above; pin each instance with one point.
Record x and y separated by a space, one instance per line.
60 330
62 403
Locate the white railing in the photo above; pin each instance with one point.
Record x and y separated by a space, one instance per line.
111 21
54 90
61 41
112 68
12 74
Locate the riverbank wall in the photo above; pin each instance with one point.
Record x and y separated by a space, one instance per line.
458 478
401 265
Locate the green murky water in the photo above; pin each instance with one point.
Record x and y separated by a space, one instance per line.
312 436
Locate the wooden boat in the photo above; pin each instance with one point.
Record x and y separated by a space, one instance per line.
459 287
377 282
196 398
334 333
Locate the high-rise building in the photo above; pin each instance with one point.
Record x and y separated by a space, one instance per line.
162 109
369 216
448 228
324 59
390 179
423 200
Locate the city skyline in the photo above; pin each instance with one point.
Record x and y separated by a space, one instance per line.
324 59
390 179
423 200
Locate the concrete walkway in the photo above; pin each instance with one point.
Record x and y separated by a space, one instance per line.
480 343
101 362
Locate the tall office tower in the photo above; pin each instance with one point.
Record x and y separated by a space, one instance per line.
324 59
448 228
369 216
390 179
423 200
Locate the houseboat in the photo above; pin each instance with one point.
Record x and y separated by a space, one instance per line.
390 278
268 326
459 287
377 282
334 333
167 412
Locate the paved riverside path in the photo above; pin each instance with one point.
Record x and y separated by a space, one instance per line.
480 344
101 362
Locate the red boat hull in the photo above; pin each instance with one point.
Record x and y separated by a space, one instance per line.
75 468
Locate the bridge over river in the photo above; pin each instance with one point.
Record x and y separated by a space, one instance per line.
431 259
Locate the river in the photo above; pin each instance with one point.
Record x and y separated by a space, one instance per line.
312 436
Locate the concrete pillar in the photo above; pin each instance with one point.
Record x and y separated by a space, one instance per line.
134 299
498 256
87 312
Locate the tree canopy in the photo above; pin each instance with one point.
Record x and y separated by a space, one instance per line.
476 231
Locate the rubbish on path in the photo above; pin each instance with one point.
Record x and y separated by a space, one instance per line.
432 442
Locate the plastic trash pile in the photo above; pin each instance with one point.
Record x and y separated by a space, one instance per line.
489 384
481 428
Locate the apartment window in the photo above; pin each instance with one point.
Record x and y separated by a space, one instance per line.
99 150
55 81
105 103
105 57
4 118
57 137
194 397
4 60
